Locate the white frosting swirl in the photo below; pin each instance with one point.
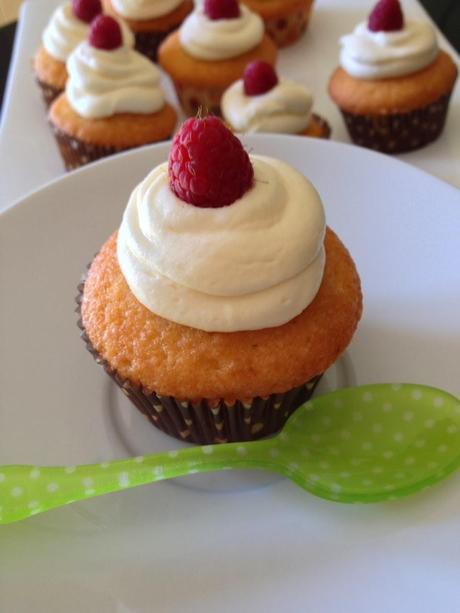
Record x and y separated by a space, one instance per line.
379 55
145 9
102 83
286 108
254 264
65 31
220 39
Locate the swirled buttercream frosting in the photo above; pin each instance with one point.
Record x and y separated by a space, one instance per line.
254 264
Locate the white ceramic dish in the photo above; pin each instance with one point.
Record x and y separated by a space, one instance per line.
170 548
29 156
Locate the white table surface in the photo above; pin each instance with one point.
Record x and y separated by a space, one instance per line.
28 154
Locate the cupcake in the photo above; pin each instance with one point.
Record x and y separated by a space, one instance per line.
211 50
259 102
394 84
150 20
67 28
113 100
285 20
223 297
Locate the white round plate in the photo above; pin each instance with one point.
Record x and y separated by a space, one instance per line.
171 548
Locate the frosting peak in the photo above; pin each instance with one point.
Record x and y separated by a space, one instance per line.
286 108
220 39
65 32
102 83
379 55
254 264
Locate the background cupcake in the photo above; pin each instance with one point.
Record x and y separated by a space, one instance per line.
285 20
150 20
260 102
113 100
394 84
185 308
211 50
67 28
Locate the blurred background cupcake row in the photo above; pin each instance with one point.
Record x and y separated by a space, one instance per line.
100 61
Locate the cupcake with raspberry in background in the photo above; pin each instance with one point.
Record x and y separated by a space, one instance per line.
223 297
394 84
260 102
285 20
68 27
211 50
113 100
150 20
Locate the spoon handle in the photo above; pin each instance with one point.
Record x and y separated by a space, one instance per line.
28 490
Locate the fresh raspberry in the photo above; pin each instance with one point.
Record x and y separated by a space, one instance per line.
105 33
208 166
386 16
258 78
86 10
221 9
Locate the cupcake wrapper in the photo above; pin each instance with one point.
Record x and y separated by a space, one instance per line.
288 29
193 99
49 92
323 125
148 43
399 132
201 421
76 153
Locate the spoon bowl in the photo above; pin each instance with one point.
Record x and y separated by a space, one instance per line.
372 443
357 445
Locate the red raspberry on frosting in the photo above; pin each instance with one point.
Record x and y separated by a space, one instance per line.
86 10
258 78
105 33
386 16
208 166
221 9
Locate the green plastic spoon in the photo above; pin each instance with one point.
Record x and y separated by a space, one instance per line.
362 444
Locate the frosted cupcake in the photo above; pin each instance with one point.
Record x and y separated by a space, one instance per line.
223 297
150 20
285 20
260 102
67 28
211 50
113 99
394 84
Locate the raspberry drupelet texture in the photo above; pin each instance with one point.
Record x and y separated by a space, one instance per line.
386 16
221 9
86 10
208 166
258 78
105 33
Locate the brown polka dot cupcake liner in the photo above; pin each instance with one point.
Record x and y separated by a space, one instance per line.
201 421
398 132
76 153
148 43
322 127
49 92
287 30
193 99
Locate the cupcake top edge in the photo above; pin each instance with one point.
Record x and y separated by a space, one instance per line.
260 102
105 81
219 39
388 45
255 263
